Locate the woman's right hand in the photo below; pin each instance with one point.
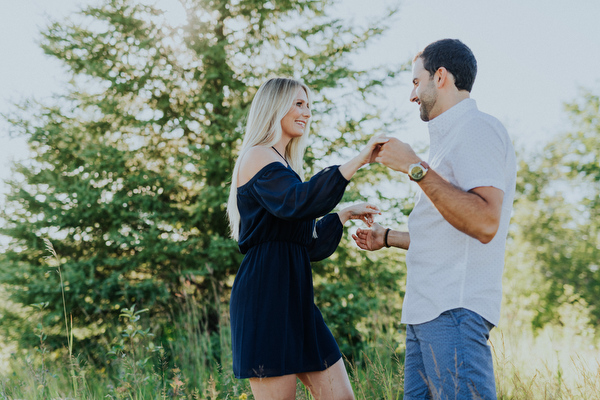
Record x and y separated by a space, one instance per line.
371 150
366 155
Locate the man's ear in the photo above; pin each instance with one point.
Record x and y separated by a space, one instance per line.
442 77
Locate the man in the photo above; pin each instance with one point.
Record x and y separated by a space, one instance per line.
456 233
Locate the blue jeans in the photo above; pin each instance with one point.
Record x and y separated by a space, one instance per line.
449 358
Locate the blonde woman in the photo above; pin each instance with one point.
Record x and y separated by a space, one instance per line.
278 333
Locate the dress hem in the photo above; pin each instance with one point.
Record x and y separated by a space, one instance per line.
339 357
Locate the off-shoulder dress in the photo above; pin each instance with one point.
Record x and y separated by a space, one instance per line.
276 328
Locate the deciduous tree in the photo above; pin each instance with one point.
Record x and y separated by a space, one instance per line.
560 191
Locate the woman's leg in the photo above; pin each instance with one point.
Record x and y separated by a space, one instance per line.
276 388
330 384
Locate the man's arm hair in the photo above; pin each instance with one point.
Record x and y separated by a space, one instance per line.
475 213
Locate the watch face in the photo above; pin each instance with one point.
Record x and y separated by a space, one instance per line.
416 172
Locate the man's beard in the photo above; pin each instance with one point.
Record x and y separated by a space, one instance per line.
428 101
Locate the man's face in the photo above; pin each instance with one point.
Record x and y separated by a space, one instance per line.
424 91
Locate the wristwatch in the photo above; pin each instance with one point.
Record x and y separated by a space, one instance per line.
417 171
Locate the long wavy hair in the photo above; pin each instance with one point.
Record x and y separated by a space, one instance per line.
271 103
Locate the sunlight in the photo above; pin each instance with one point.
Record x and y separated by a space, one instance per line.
175 13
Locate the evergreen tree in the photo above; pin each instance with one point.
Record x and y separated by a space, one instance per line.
131 165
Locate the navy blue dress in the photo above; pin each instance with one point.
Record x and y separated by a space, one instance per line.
276 328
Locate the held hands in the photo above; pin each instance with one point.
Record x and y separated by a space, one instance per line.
363 211
397 155
371 150
370 239
364 157
375 153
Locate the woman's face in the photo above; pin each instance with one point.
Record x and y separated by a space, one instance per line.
294 123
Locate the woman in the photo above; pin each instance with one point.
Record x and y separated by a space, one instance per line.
278 333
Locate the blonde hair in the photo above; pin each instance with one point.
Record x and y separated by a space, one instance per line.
271 103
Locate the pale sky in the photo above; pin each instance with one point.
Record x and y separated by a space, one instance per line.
533 56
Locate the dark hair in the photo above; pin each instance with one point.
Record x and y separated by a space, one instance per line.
453 55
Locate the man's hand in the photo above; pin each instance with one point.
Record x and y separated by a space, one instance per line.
374 154
370 151
397 155
370 239
364 157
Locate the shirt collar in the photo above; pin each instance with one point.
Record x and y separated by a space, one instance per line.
443 123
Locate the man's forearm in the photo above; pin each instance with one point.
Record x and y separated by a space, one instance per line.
469 212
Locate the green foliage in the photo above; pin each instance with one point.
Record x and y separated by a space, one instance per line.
131 164
381 376
360 296
136 366
559 214
555 363
360 293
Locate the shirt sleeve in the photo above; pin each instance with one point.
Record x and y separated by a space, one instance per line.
281 192
329 233
479 158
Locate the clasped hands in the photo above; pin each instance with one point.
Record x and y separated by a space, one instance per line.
366 239
394 154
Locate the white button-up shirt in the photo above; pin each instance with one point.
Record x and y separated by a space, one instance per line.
446 268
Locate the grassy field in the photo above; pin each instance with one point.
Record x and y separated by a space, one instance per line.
558 362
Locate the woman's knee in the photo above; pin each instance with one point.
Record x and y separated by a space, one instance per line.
275 388
330 384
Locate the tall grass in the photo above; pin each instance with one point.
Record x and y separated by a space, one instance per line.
546 364
558 362
197 365
68 332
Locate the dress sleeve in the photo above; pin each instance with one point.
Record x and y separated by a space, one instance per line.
329 232
281 192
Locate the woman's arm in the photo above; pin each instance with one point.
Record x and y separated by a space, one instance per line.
366 156
330 228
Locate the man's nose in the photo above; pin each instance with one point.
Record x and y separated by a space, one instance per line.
413 96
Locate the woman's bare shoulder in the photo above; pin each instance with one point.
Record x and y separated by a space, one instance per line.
254 160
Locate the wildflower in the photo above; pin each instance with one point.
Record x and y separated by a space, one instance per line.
177 383
243 396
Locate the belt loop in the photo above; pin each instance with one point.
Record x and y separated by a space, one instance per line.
453 316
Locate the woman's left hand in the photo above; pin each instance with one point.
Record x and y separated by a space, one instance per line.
362 211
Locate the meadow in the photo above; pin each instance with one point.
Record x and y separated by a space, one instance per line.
559 361
129 171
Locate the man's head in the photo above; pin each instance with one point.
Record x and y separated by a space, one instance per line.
445 68
453 55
